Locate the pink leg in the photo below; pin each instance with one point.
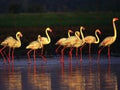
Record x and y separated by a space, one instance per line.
34 56
43 57
76 51
90 51
9 55
6 56
3 57
99 51
42 51
28 53
62 54
81 54
13 55
108 51
70 53
2 53
57 49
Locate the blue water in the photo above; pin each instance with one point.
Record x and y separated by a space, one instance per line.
90 74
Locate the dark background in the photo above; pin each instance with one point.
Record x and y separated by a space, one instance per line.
18 6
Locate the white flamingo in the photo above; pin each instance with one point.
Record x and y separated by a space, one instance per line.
79 43
33 46
59 42
70 42
46 40
12 43
109 40
92 39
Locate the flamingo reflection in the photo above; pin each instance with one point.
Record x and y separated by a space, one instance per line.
38 80
11 78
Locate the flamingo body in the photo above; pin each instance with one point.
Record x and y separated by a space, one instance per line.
46 40
108 41
33 46
92 40
12 43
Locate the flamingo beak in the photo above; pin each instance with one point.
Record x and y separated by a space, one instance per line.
21 35
99 32
50 30
116 18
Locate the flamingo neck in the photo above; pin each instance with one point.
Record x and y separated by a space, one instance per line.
115 31
98 40
18 39
48 37
77 35
82 34
68 34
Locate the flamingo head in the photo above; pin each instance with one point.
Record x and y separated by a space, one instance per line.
70 31
49 29
39 37
78 33
19 34
115 19
82 28
98 31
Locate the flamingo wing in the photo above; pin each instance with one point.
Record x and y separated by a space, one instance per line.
107 41
33 45
90 39
9 41
44 40
59 42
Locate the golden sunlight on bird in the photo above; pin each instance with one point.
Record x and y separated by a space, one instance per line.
12 44
108 41
33 46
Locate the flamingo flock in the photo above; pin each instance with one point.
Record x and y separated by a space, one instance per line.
71 41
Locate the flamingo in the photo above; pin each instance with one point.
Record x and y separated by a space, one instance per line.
46 40
79 43
92 39
59 42
108 41
69 42
12 43
33 46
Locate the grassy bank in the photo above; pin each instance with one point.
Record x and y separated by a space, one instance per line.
56 19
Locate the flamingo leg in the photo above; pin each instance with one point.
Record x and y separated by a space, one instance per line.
13 55
62 54
6 55
2 48
57 49
28 53
42 50
81 54
109 51
3 57
3 54
76 51
9 55
90 51
70 53
43 57
34 56
99 51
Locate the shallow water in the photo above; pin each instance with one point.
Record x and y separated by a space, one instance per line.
53 75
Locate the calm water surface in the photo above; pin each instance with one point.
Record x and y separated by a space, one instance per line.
53 75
